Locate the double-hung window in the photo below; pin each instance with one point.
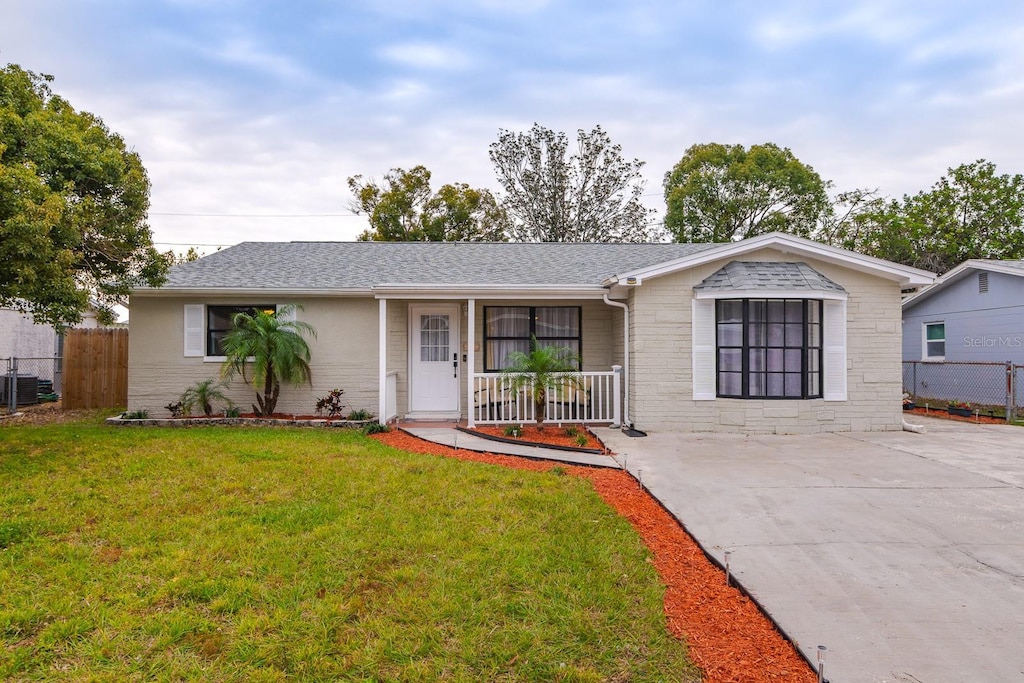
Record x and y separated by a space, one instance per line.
510 328
934 341
769 348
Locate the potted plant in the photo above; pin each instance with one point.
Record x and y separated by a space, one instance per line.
961 408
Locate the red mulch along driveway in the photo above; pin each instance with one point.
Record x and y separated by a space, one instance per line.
933 412
729 638
551 434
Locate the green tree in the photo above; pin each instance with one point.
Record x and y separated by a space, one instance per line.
73 203
543 369
591 195
404 209
971 213
273 344
721 193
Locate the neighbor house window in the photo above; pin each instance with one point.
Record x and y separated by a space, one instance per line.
769 348
218 323
934 341
509 328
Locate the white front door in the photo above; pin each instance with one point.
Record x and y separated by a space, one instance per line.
435 362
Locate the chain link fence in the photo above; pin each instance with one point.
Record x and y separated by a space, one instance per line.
28 381
994 389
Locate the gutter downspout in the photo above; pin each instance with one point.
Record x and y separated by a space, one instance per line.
626 422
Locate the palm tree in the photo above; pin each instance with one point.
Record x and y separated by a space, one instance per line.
273 344
202 395
544 368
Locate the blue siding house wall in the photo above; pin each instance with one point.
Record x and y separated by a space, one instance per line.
979 325
974 313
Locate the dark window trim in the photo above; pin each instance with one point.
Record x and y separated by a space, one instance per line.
806 392
533 332
211 331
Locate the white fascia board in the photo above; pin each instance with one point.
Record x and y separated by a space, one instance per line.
248 292
492 292
772 294
791 244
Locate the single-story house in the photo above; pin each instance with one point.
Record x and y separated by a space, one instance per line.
771 334
975 312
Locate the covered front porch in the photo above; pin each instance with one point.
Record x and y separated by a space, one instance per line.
441 358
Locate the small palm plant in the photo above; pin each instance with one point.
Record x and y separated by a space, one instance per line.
543 369
202 395
273 344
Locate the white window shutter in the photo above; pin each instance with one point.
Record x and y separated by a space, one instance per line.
702 329
835 351
195 330
291 315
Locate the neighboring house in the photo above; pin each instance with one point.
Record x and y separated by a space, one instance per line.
975 312
21 337
972 314
772 334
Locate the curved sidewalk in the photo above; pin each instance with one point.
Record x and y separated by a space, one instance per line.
449 436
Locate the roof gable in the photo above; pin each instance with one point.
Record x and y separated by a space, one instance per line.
789 244
1007 267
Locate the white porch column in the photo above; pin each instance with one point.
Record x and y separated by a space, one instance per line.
617 396
382 378
470 365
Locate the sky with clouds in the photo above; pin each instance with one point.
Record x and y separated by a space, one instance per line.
250 115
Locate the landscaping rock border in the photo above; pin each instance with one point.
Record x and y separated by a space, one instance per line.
235 421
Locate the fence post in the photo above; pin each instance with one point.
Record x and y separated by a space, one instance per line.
913 390
12 386
1009 391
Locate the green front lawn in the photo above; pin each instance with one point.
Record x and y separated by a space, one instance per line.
272 554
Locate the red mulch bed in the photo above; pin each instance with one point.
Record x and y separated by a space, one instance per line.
729 638
935 412
549 435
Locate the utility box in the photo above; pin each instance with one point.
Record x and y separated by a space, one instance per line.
27 386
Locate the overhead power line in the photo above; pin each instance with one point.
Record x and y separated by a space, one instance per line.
257 215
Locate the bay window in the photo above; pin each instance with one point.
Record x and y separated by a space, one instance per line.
769 348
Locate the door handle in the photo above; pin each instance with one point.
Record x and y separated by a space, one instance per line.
455 364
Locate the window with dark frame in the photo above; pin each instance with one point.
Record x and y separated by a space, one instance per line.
769 348
509 328
218 323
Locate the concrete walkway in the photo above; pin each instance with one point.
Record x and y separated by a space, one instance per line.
449 436
902 553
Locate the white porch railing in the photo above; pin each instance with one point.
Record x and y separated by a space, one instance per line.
597 398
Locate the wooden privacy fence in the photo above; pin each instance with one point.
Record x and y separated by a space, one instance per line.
96 369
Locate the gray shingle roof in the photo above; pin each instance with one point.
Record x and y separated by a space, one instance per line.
767 276
362 265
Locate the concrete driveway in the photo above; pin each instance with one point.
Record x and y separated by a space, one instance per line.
902 553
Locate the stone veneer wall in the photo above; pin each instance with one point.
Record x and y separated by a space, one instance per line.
662 398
